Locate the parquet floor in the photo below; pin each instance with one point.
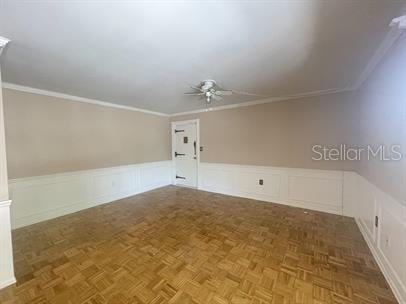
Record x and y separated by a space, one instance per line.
178 245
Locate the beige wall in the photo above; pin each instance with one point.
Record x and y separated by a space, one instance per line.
383 120
280 133
45 135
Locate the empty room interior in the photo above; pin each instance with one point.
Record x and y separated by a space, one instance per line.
242 152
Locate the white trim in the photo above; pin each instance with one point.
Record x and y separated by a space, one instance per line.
3 42
173 126
7 276
64 97
5 203
399 22
8 282
173 165
266 100
395 31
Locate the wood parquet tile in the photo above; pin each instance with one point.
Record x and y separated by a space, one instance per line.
178 245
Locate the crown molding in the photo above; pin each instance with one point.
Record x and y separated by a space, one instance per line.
67 97
63 97
399 22
3 42
397 26
5 203
266 100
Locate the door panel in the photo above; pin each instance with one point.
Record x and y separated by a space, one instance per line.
185 154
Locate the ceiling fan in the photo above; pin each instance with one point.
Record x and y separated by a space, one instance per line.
210 90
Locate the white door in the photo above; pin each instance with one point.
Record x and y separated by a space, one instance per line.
185 153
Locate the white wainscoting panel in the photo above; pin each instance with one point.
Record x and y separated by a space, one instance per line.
320 190
6 252
387 241
39 198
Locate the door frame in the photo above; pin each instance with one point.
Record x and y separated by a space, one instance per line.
173 127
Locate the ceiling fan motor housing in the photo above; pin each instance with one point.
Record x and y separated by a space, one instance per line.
208 84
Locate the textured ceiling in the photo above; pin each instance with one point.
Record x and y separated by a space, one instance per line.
144 54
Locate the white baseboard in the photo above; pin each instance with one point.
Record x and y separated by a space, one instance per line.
40 198
387 242
319 190
8 282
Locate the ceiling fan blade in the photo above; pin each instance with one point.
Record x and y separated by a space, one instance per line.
223 93
216 97
193 93
247 93
196 88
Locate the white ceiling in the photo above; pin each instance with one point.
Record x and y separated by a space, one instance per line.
144 54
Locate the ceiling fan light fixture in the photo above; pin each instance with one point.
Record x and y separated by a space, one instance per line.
208 96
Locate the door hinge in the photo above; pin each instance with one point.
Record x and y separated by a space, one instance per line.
194 147
179 154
